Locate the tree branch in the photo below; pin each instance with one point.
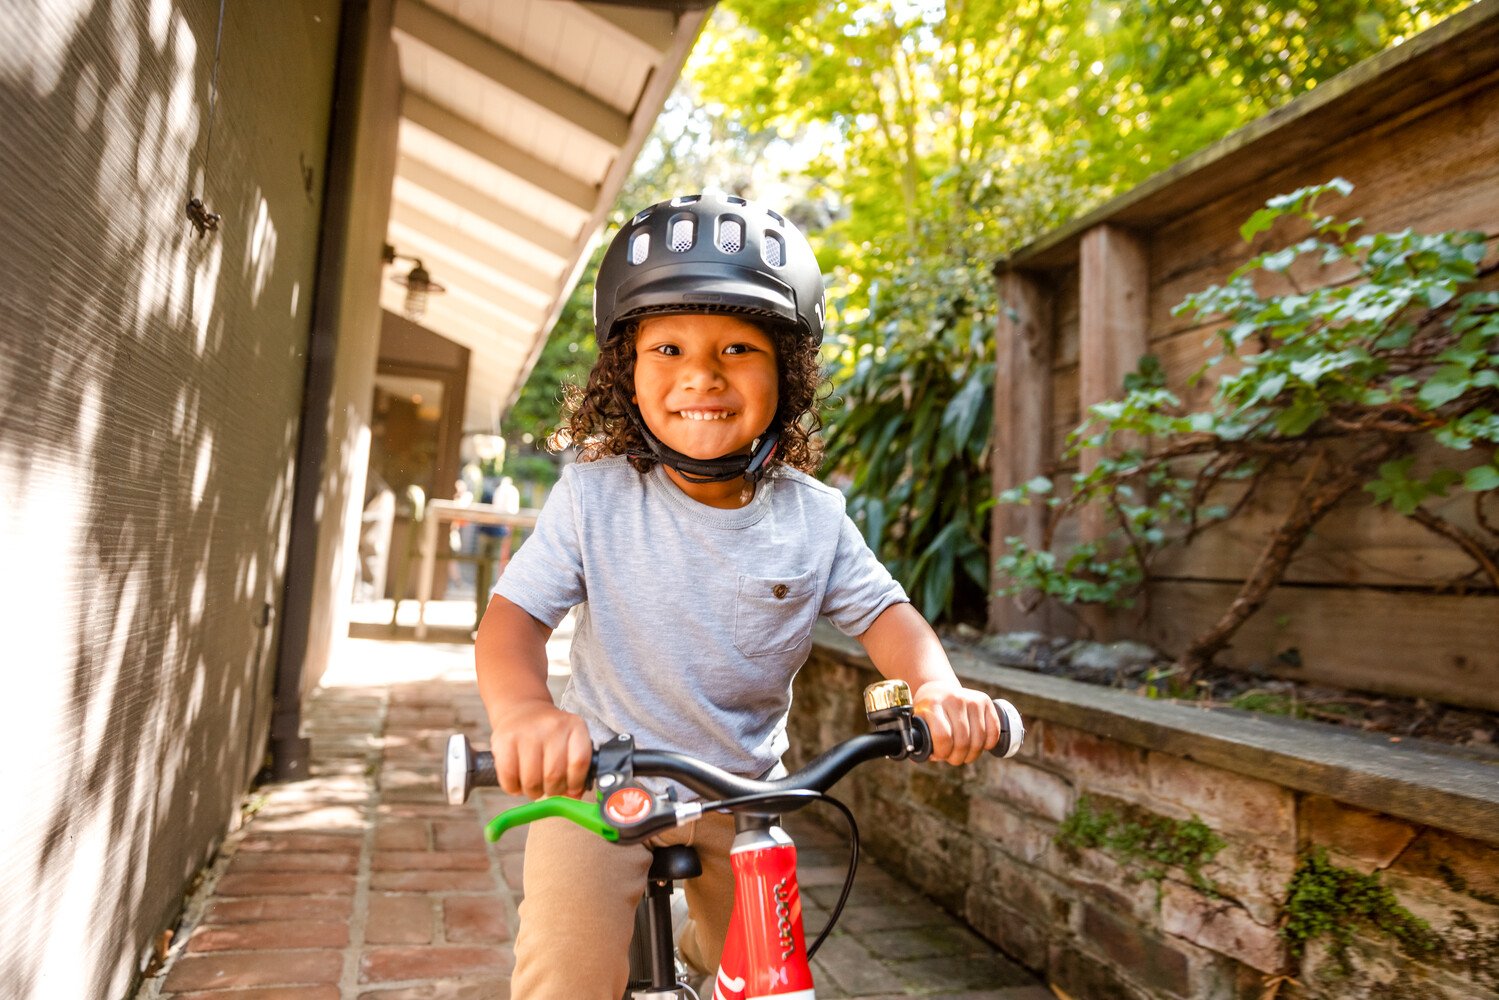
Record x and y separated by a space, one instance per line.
1480 517
1139 553
1457 536
1312 504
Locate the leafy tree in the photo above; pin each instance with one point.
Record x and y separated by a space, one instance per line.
1387 383
917 142
914 440
949 133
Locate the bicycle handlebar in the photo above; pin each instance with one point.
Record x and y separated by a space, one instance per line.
464 769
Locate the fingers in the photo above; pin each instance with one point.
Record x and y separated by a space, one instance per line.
546 755
963 724
579 760
940 728
506 764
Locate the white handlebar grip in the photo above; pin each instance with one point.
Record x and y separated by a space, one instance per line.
1011 729
457 766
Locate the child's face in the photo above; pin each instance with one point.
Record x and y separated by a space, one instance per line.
706 384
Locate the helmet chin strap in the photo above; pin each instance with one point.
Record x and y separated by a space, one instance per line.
751 467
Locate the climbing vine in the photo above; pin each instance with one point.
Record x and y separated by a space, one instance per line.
1384 378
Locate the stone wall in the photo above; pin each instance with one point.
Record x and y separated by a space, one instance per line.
1136 849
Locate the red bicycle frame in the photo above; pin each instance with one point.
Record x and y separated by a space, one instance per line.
765 953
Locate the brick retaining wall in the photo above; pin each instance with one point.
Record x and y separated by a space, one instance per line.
1253 796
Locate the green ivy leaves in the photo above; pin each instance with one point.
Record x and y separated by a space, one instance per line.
1402 353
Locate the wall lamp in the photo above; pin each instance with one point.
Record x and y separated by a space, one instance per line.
417 282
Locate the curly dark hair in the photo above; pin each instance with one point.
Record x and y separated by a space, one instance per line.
597 422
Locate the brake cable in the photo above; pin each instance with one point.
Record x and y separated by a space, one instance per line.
813 795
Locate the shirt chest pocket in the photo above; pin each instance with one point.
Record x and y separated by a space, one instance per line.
774 614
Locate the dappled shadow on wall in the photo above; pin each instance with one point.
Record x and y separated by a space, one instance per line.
150 383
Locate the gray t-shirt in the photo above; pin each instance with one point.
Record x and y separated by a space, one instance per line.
693 620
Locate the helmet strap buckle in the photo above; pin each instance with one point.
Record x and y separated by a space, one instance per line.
752 467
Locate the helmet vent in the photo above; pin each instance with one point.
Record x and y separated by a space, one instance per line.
730 234
733 199
770 315
640 216
776 216
640 247
681 235
686 199
773 249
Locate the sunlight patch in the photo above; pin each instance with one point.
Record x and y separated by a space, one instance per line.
49 34
204 466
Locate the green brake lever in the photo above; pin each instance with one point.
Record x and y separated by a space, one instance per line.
585 814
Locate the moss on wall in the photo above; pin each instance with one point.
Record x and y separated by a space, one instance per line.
1139 837
1325 900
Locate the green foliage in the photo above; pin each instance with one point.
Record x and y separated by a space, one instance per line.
565 359
1325 900
1363 374
532 467
1136 836
999 119
1269 703
917 143
913 439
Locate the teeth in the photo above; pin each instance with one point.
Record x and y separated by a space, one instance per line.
704 414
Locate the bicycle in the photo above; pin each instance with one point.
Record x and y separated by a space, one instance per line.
765 955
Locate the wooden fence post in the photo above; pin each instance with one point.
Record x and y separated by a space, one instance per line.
1113 335
1022 426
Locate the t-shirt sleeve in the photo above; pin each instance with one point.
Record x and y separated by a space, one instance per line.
545 576
859 586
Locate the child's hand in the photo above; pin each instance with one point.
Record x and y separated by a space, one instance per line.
540 750
963 723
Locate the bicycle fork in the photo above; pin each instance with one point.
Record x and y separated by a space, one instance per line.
765 954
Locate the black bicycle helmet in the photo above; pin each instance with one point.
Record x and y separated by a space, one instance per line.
709 252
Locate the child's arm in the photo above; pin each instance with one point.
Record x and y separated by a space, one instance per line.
538 748
963 722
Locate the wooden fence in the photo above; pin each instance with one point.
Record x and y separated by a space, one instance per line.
1367 602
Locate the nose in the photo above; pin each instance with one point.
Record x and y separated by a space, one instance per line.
702 373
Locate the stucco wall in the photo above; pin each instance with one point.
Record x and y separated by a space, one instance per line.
346 461
150 390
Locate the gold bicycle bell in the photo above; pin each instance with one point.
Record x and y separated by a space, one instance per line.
885 696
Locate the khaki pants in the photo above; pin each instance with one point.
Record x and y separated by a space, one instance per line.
579 908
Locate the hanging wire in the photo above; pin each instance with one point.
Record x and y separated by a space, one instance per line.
202 219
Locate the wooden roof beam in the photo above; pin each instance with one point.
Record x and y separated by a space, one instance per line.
459 321
525 302
652 30
471 199
523 271
487 146
548 92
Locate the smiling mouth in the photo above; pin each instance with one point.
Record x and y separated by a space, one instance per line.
705 414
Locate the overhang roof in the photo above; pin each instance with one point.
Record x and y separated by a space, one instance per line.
520 121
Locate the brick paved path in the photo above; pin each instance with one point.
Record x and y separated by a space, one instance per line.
361 884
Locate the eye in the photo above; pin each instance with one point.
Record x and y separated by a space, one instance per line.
739 349
667 350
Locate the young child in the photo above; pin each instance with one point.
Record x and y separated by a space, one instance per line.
699 552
